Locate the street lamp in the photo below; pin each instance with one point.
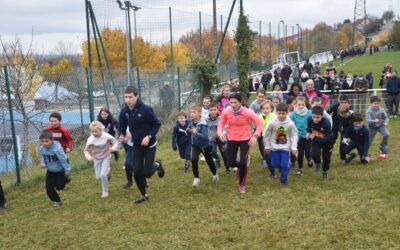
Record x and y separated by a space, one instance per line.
283 30
298 37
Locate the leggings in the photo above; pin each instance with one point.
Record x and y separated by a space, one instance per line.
207 152
2 199
233 147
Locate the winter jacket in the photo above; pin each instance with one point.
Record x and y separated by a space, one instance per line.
62 135
322 130
301 121
266 120
100 147
223 102
200 139
359 136
109 126
393 86
314 93
361 85
212 128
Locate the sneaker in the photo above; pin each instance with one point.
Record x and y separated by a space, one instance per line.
317 168
343 162
228 172
196 182
299 172
264 164
160 169
104 195
350 158
236 172
310 163
391 116
202 158
242 189
4 206
187 165
383 149
272 177
325 175
57 204
395 116
128 185
215 178
141 199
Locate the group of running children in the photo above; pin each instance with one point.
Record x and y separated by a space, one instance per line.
285 133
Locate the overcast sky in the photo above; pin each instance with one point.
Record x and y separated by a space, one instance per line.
55 20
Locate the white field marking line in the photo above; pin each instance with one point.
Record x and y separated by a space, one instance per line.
346 62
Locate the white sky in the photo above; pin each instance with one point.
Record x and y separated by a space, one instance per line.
55 20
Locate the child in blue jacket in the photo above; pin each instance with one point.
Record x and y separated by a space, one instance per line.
200 144
359 139
53 157
181 139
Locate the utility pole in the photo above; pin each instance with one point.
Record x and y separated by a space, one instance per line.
215 27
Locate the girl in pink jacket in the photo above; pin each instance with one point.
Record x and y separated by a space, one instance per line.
238 120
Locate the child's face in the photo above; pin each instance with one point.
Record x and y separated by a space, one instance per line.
357 124
54 122
376 105
275 102
213 111
96 132
316 104
281 115
260 97
46 142
345 103
235 104
300 104
181 119
316 118
296 91
130 99
344 115
104 115
206 103
226 92
266 109
195 114
277 87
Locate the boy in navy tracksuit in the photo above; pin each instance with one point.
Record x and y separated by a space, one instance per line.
346 117
319 131
53 157
333 111
359 139
181 139
200 144
143 126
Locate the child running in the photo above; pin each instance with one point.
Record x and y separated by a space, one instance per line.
223 100
346 120
110 125
266 116
98 149
181 139
300 118
319 131
53 157
200 144
280 140
358 135
205 107
212 123
237 120
378 121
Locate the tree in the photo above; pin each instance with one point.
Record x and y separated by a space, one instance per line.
244 38
24 83
394 36
321 37
388 16
347 20
205 72
181 54
56 73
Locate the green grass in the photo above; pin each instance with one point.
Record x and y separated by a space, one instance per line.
367 63
358 207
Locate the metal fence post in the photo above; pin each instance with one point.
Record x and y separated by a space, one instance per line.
138 81
80 101
172 46
179 90
14 136
200 35
90 96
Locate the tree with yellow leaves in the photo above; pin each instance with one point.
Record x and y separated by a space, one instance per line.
181 54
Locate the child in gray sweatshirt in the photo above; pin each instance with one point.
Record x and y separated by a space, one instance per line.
53 157
378 121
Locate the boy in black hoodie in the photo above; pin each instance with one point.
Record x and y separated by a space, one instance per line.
359 139
319 131
181 139
346 117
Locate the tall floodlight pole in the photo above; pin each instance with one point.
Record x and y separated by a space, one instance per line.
360 20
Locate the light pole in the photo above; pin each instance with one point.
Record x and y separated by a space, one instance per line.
298 38
283 30
135 8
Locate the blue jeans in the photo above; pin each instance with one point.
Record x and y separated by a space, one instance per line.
281 159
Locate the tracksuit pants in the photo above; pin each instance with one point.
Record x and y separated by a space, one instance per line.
54 181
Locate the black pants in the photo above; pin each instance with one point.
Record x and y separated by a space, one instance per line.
233 147
2 198
360 149
260 141
393 100
128 162
54 182
207 152
304 149
143 165
322 148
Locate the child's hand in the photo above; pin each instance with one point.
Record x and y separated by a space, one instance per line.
128 137
193 131
312 136
67 150
376 120
252 141
121 138
295 153
268 151
345 141
222 138
90 158
43 166
67 174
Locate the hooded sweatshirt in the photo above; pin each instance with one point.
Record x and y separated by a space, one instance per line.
212 128
180 135
300 118
238 124
100 147
373 114
281 135
54 158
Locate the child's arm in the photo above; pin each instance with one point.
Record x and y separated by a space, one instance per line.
385 118
122 125
114 143
368 118
267 137
257 122
294 137
174 136
366 142
43 161
69 140
62 157
328 134
86 151
221 126
203 132
153 120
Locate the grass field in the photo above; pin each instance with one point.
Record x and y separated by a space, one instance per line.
358 207
367 63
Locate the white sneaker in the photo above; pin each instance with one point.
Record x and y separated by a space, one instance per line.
104 195
215 178
196 182
202 158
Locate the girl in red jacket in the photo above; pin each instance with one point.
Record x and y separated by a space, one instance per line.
237 120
